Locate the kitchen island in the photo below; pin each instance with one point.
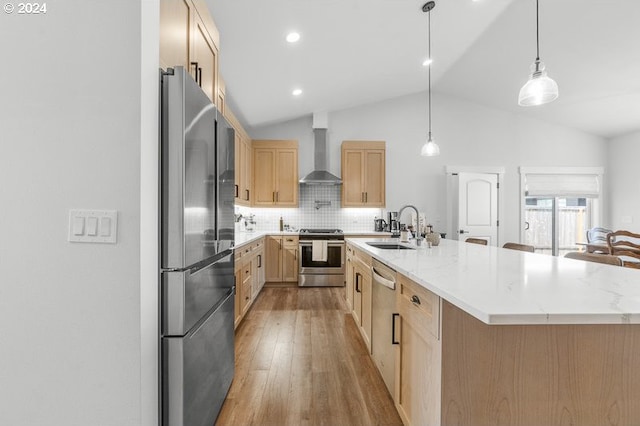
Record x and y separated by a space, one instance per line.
513 338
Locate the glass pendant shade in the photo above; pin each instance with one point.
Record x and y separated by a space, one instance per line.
540 89
430 148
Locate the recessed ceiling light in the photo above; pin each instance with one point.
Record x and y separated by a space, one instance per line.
427 62
297 92
293 37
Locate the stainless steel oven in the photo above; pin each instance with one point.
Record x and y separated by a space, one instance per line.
328 271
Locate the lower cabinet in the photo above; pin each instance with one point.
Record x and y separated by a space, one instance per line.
281 258
419 354
359 270
249 276
348 278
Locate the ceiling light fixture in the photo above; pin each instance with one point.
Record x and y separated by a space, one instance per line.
297 92
540 89
430 148
293 37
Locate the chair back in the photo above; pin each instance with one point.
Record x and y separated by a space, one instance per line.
476 241
594 257
625 244
597 234
521 247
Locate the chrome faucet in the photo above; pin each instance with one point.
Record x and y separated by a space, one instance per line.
418 234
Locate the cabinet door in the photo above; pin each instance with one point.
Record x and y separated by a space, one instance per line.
349 287
176 20
238 307
418 360
357 295
264 179
287 177
366 306
246 171
374 178
290 260
352 177
205 59
273 264
260 277
238 166
246 296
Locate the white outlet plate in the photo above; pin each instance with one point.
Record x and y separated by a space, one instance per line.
105 231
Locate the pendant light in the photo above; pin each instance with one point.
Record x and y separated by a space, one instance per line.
540 89
430 148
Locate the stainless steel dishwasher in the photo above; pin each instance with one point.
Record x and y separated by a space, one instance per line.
383 321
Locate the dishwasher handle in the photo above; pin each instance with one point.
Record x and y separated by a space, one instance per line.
377 278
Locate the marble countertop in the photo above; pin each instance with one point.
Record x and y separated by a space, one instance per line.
501 286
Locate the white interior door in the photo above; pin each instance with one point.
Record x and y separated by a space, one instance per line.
478 206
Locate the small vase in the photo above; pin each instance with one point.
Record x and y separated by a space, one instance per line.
433 238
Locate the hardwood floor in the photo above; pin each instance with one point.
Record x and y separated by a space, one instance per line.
300 360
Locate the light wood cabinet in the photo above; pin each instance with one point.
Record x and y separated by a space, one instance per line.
281 258
348 278
257 270
360 272
275 173
418 356
237 281
176 23
290 259
363 174
243 170
249 276
273 256
189 37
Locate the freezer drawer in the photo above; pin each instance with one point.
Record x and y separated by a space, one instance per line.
188 295
198 369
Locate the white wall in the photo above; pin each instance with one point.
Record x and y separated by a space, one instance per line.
623 183
468 134
70 137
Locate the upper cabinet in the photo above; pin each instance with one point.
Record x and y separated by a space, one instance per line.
189 37
275 173
363 174
243 174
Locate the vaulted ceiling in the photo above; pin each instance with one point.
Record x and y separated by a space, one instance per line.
354 52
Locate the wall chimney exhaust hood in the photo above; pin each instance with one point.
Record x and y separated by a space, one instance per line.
320 175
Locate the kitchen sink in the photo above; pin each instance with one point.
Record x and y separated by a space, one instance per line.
391 246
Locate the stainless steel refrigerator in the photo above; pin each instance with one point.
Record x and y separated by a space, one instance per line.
197 234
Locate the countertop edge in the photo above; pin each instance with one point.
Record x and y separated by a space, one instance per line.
541 318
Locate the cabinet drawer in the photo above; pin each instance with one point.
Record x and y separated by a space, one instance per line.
419 306
290 241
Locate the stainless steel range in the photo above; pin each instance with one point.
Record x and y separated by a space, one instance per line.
321 258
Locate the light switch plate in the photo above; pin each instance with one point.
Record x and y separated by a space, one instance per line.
106 221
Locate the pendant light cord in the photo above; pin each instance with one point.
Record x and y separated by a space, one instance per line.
537 34
429 71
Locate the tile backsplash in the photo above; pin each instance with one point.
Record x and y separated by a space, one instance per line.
319 207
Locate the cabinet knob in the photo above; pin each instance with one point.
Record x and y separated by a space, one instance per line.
415 300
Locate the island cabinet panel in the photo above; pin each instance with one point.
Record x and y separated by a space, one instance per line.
518 375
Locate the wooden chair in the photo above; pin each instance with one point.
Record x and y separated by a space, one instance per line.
595 237
480 241
594 257
521 247
625 244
